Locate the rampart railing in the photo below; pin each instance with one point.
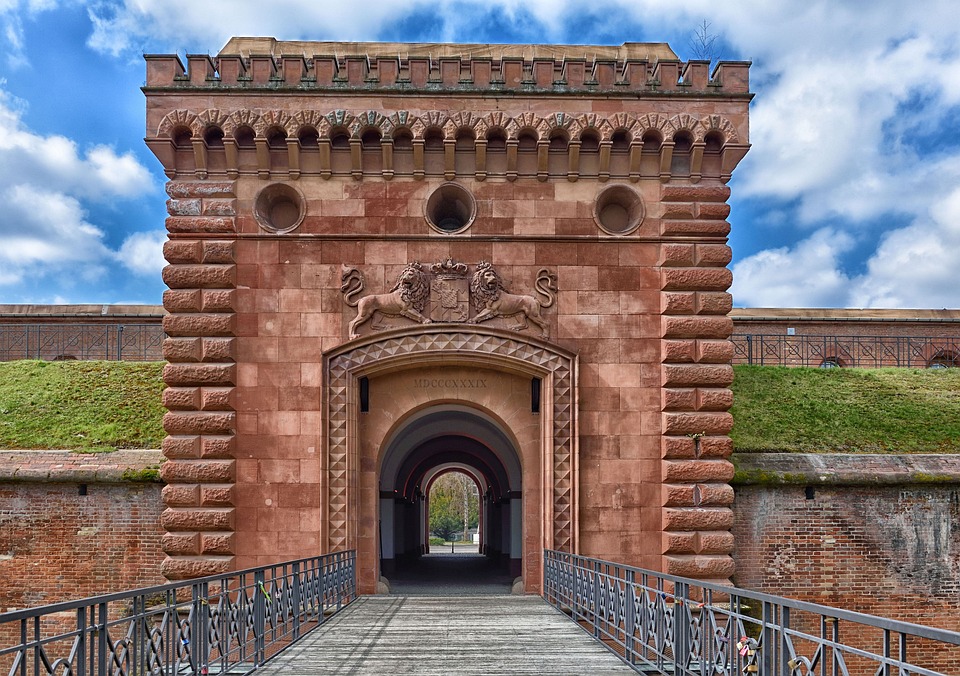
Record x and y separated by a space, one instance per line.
222 624
861 351
126 342
673 625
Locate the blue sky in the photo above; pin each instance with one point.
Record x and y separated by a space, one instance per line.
850 196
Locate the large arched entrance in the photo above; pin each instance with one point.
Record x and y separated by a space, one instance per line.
440 439
400 404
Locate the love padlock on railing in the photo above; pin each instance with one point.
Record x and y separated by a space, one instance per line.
748 648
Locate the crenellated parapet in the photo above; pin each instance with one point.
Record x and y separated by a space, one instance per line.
630 69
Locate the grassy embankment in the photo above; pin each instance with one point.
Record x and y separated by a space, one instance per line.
100 406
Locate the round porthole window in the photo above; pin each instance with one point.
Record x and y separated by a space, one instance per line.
619 210
279 208
451 208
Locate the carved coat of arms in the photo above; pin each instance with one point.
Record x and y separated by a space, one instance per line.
446 294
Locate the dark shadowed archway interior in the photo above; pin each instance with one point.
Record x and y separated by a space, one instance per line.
434 443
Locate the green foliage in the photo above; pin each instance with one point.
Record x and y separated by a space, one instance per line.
81 405
448 496
812 410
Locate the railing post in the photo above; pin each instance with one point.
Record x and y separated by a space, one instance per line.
295 600
749 348
259 617
681 643
119 342
596 599
629 616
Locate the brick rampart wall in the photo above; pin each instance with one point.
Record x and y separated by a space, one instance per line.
75 525
872 534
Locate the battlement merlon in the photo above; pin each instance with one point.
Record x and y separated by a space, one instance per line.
631 68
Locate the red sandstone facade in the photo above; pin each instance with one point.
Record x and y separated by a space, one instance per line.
589 399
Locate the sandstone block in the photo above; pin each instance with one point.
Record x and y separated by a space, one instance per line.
677 447
178 189
218 252
216 399
217 496
694 193
716 495
184 207
703 228
681 255
182 251
182 422
213 446
213 224
677 399
218 207
182 398
679 351
181 495
181 543
718 542
713 255
697 471
218 300
182 300
696 279
678 210
701 326
197 519
714 399
678 302
679 543
200 374
209 276
697 375
219 349
182 349
677 495
714 351
697 518
694 423
187 446
700 566
716 447
198 471
186 568
202 325
713 210
714 303
217 543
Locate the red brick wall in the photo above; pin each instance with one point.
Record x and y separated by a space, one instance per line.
56 544
890 551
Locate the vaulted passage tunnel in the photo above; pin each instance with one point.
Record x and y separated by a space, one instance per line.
434 442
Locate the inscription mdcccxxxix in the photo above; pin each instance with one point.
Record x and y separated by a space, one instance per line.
463 383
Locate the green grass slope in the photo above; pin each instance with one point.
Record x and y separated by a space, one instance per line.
81 405
846 410
100 406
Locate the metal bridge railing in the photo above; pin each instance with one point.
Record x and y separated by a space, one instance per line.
860 351
670 625
222 624
120 342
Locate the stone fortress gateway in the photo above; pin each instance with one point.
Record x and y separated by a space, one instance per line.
387 261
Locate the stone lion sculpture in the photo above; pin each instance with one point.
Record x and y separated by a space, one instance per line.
407 298
490 298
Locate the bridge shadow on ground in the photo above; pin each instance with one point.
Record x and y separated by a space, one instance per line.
442 573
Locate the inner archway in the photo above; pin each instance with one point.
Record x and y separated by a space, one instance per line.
437 442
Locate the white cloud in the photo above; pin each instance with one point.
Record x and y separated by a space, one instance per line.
142 253
805 275
30 158
48 183
916 266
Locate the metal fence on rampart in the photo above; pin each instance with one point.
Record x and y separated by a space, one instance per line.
67 341
841 351
665 624
223 624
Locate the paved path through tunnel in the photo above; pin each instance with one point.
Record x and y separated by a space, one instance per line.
429 635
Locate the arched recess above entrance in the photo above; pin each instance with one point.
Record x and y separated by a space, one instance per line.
440 346
450 434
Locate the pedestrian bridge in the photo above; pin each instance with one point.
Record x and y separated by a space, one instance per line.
595 617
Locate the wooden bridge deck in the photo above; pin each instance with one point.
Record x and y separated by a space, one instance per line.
447 635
